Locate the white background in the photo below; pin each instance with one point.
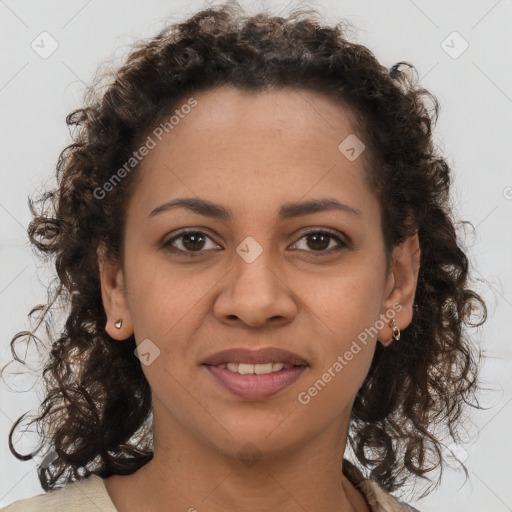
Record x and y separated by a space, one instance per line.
474 131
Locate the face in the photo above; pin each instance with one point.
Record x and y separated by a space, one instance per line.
256 272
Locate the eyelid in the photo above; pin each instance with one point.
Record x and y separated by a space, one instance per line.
320 229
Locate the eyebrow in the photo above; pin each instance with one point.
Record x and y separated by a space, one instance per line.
287 210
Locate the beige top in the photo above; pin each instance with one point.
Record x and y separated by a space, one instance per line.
85 495
90 494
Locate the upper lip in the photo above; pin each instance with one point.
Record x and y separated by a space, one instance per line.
263 355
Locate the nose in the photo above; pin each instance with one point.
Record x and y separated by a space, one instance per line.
255 293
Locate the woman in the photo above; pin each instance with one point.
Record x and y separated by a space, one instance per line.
253 230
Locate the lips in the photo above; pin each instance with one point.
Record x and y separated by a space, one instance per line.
243 372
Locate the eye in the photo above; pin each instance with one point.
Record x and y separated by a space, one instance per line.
320 240
192 243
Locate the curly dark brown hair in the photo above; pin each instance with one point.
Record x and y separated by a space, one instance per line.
96 415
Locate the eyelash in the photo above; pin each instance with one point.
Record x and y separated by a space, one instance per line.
168 245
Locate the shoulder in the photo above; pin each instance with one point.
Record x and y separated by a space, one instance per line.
378 499
80 496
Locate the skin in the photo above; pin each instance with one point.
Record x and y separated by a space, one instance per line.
251 153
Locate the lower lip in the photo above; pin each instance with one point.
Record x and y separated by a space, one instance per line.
255 387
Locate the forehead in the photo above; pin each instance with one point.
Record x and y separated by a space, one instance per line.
296 108
252 148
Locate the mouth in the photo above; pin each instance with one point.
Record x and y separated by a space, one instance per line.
255 375
255 369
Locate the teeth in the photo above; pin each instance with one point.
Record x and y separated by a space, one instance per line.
246 369
256 369
262 369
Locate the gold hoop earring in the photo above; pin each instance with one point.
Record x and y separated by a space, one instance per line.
118 324
396 330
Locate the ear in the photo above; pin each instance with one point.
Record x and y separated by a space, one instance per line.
400 288
114 296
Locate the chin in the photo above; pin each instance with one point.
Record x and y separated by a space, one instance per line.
263 434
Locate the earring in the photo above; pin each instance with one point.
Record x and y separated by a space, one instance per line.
118 324
396 330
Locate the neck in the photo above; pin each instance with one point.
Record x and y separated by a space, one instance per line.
186 474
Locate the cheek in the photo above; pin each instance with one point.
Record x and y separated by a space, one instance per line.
349 310
345 352
166 300
347 302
